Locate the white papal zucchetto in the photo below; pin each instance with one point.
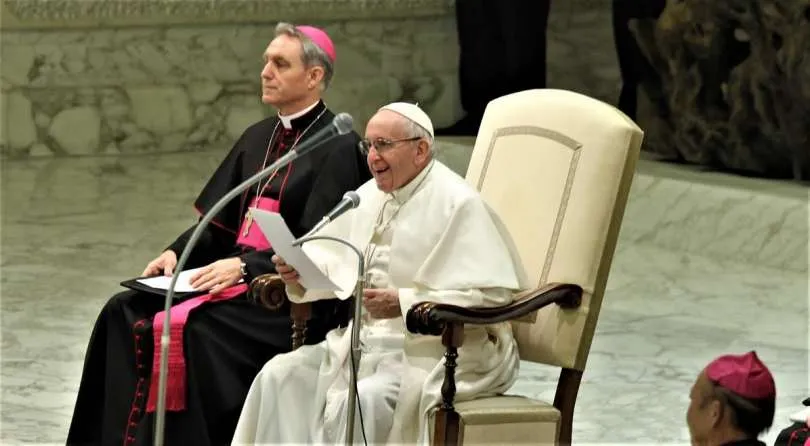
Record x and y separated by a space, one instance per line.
412 112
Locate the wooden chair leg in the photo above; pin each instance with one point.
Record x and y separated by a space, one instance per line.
448 428
300 314
564 400
448 422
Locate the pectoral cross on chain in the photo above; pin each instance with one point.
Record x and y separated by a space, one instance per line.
248 222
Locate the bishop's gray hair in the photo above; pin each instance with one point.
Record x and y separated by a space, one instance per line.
311 54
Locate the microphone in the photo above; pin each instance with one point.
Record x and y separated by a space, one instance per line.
341 125
350 201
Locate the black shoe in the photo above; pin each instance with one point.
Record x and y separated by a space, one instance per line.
466 126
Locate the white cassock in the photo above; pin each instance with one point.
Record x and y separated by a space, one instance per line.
433 240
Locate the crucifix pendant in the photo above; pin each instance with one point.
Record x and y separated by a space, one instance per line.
248 222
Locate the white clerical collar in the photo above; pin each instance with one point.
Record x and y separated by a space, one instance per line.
286 121
405 192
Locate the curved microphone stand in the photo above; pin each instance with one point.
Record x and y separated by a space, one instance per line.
355 339
342 124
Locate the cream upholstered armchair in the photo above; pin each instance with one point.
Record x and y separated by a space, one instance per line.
556 167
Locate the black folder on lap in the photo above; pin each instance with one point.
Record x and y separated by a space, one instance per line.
133 284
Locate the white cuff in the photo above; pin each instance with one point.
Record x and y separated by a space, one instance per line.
407 299
295 293
298 294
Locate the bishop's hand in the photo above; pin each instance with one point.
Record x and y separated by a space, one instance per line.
163 264
288 274
218 275
382 303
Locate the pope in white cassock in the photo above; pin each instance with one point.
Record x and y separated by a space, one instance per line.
427 236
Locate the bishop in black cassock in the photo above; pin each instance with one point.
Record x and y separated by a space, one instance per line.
225 338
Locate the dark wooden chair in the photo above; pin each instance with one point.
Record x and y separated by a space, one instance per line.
268 290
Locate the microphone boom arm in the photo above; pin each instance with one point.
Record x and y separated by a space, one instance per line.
355 335
318 226
181 263
342 124
350 201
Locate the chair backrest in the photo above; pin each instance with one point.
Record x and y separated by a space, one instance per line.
556 166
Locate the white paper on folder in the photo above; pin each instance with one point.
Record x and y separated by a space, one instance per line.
183 284
280 237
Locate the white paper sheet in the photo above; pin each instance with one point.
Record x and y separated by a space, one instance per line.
280 237
183 284
162 282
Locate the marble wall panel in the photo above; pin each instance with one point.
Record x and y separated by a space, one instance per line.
61 14
750 225
178 88
151 76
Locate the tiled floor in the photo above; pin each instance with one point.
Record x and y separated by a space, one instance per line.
73 228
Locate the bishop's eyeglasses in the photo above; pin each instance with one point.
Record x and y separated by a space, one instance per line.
382 144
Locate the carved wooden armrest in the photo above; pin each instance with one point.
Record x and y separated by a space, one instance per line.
430 318
268 290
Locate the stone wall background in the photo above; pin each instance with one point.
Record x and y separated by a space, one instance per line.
124 88
78 79
82 92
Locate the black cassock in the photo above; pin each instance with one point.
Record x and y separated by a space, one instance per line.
227 342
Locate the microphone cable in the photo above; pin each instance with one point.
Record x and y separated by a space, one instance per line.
357 396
